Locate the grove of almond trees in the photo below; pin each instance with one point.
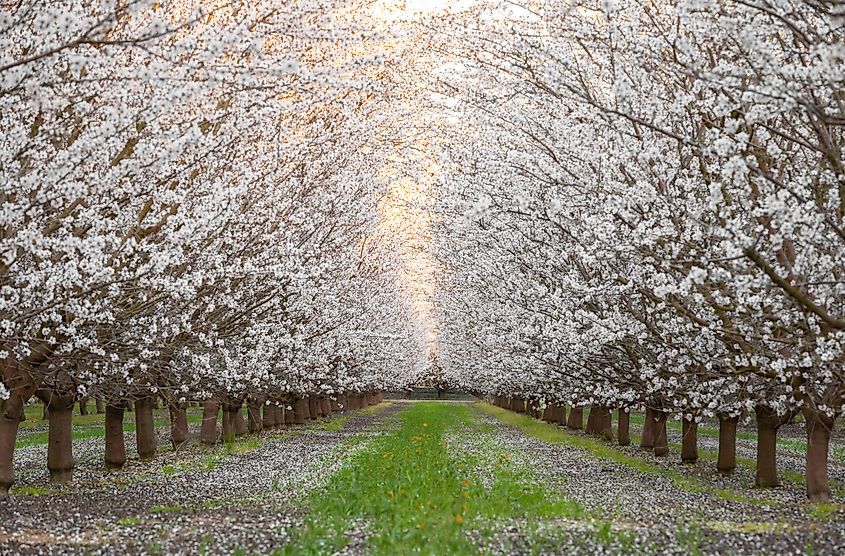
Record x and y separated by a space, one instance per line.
230 228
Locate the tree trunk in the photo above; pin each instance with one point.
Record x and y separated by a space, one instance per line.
287 415
327 408
241 428
45 413
178 425
269 417
549 414
300 411
254 417
100 405
647 439
605 424
228 424
518 405
441 394
11 412
208 429
661 442
592 417
576 418
314 408
727 443
83 407
623 429
343 402
335 404
115 455
689 441
60 448
145 430
819 429
768 424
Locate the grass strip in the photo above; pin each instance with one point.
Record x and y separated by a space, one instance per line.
410 494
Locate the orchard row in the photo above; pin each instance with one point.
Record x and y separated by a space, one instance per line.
191 209
647 210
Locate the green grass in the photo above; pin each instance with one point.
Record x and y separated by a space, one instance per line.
129 521
415 496
823 512
374 409
335 424
555 435
165 509
34 491
243 445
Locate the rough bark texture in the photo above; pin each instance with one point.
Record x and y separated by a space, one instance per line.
21 387
689 441
178 425
768 424
661 443
254 417
228 424
605 424
623 430
647 438
115 455
241 428
268 420
11 412
819 429
300 411
145 432
560 414
576 418
208 429
60 448
727 444
592 419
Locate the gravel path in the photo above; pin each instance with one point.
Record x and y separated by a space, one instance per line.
244 500
199 501
655 513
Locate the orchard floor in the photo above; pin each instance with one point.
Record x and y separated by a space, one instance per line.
416 477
